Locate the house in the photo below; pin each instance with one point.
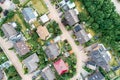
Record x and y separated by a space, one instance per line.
52 51
48 74
71 17
96 76
1 74
91 65
61 67
101 56
67 4
42 32
31 62
80 33
29 15
9 31
44 18
1 1
21 48
7 5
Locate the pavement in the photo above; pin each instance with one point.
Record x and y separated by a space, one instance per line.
117 5
80 55
5 45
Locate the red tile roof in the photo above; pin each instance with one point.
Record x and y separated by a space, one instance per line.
61 67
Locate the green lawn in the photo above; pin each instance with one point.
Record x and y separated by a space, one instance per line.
3 57
40 6
12 74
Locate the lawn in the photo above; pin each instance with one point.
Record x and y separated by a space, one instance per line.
12 74
40 6
79 6
3 57
20 20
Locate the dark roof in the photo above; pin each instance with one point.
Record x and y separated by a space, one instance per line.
48 74
71 17
52 51
100 56
91 63
96 76
80 33
21 47
1 74
28 13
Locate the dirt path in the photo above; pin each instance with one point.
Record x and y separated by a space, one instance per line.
5 45
80 55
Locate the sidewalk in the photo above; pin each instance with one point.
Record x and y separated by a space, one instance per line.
5 45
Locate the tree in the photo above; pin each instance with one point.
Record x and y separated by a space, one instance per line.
16 1
1 9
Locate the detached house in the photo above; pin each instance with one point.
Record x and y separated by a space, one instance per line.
52 51
80 33
21 48
29 14
9 31
96 76
71 17
61 67
101 56
31 62
42 32
67 4
48 74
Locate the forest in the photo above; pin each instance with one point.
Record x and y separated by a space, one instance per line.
102 18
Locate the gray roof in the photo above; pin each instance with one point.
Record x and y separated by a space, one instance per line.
2 1
71 17
31 62
28 13
1 74
96 76
101 56
52 51
21 47
48 74
9 30
80 33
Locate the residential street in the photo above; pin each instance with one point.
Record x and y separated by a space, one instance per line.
117 5
81 57
5 45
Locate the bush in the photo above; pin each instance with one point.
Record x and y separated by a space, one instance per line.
1 9
16 1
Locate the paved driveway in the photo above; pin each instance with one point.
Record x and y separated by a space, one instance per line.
5 45
81 57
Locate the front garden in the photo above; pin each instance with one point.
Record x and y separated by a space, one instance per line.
3 57
12 74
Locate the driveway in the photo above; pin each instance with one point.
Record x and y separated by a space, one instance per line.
81 57
117 5
5 45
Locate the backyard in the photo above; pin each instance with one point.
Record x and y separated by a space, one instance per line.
40 6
